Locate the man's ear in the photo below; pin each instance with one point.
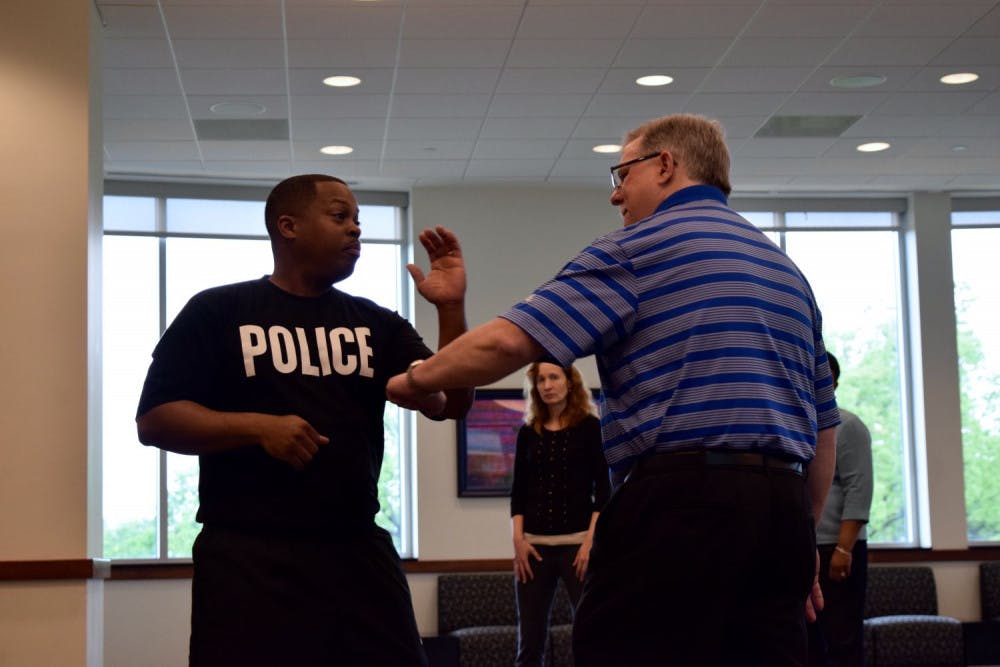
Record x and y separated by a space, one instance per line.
286 226
667 166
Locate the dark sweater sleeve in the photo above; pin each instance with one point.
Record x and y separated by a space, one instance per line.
599 466
519 487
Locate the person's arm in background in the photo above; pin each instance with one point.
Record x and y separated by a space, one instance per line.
854 464
444 286
602 491
522 549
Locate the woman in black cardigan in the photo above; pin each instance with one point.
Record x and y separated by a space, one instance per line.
560 483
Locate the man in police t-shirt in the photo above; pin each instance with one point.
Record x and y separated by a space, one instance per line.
278 384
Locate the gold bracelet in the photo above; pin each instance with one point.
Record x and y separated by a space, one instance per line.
843 551
412 381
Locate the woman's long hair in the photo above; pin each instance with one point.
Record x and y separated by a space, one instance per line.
578 401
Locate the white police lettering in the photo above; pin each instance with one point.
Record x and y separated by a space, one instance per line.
335 350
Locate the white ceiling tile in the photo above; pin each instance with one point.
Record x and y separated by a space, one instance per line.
929 80
221 22
987 180
429 149
363 150
562 52
828 182
805 21
144 81
446 80
131 53
988 105
346 169
771 52
275 106
339 106
595 174
896 78
270 171
755 79
938 20
734 104
970 52
698 20
889 51
163 150
339 54
685 80
667 53
533 171
970 147
988 25
609 21
840 103
190 168
371 21
518 148
896 126
434 128
582 149
782 147
131 21
740 127
338 130
609 130
233 81
948 102
913 181
453 52
245 150
550 80
439 106
425 169
971 126
444 22
649 106
135 129
309 80
144 106
251 53
847 147
528 128
537 105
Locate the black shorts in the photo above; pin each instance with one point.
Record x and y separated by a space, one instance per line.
277 600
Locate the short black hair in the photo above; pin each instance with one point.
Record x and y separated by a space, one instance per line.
834 366
290 195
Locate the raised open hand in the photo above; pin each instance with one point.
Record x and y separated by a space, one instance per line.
445 282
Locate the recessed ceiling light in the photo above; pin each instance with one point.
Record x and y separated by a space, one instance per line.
958 148
237 109
606 148
655 80
336 150
959 78
341 81
873 147
857 80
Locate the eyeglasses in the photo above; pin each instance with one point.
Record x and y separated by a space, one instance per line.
616 175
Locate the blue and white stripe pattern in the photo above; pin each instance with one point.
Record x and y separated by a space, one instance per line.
706 334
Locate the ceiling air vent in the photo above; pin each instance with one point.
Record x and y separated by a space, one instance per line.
241 130
806 126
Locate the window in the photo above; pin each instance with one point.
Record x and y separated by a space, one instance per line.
852 261
158 252
975 239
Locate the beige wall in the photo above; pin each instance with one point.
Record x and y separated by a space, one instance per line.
47 188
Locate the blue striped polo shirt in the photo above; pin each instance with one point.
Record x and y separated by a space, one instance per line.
706 334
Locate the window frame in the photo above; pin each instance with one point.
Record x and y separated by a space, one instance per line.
160 192
897 207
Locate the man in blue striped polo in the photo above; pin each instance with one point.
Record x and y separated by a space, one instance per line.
717 400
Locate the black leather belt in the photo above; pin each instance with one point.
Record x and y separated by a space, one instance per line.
716 457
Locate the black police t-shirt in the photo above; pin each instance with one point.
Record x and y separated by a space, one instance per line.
252 347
